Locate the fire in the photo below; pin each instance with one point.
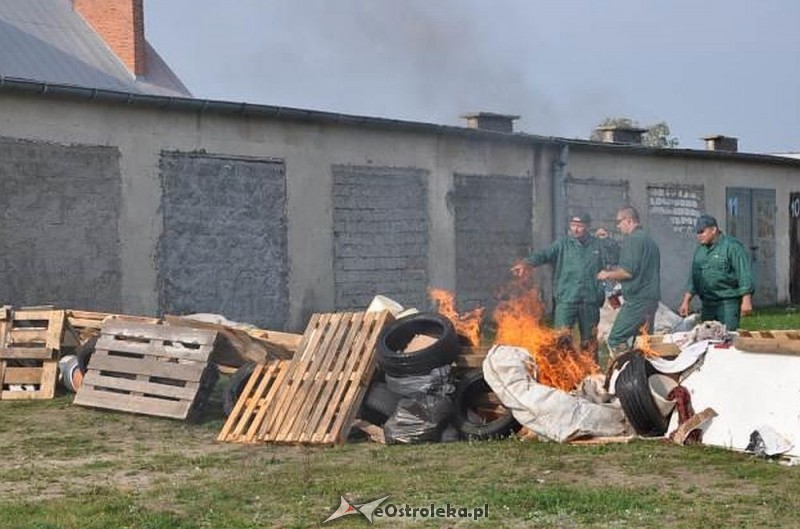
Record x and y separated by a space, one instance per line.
518 319
468 324
643 342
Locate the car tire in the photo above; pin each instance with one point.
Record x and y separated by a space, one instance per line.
472 418
395 338
235 386
633 391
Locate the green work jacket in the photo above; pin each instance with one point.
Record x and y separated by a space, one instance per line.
575 268
721 271
640 257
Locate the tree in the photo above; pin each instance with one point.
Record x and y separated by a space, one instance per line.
657 135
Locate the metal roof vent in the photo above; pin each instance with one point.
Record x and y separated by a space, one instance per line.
721 143
490 121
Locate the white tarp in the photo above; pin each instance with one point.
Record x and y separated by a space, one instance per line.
748 391
551 413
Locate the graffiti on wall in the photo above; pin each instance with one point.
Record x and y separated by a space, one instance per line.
680 204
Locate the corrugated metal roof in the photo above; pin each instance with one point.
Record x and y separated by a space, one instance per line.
46 40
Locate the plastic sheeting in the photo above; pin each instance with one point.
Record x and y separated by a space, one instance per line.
748 391
551 413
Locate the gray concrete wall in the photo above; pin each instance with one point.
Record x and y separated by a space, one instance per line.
59 206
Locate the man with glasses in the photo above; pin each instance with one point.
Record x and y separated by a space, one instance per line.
576 260
720 276
639 274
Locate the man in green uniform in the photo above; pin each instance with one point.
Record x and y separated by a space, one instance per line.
639 274
720 276
576 260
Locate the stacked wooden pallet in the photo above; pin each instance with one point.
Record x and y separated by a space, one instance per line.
777 342
312 398
150 369
31 340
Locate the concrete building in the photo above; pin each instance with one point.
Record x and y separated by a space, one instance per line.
141 199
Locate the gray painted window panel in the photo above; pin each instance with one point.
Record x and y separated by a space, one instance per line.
380 227
224 245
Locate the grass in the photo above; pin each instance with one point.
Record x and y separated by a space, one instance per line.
67 467
781 317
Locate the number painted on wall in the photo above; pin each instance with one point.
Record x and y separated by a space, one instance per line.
794 207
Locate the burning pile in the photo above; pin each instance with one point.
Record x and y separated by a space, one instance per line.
467 325
518 319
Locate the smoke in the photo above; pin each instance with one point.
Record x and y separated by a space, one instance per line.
419 60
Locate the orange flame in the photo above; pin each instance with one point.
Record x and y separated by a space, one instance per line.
643 342
518 319
467 324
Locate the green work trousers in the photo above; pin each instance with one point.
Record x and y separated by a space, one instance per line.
586 315
632 315
727 311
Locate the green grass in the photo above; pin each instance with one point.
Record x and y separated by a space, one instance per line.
781 317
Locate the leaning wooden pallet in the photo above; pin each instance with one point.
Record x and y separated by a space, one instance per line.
313 398
150 369
30 345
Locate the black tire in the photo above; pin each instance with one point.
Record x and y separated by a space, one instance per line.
470 420
201 400
395 338
85 351
235 386
379 403
633 391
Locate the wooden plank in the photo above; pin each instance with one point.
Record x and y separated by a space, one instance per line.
49 375
27 335
32 314
23 353
95 379
55 330
156 348
103 361
88 396
134 329
23 375
692 423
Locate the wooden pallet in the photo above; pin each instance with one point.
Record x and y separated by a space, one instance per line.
88 323
30 344
149 369
776 342
313 398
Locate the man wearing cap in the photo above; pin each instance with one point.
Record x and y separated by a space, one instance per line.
720 276
576 260
639 274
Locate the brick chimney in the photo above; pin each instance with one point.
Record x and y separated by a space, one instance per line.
490 121
721 143
120 23
621 134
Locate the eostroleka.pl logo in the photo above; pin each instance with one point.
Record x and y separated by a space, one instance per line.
373 509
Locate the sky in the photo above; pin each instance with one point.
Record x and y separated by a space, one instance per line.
704 67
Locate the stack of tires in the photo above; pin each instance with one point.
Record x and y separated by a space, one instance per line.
411 397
